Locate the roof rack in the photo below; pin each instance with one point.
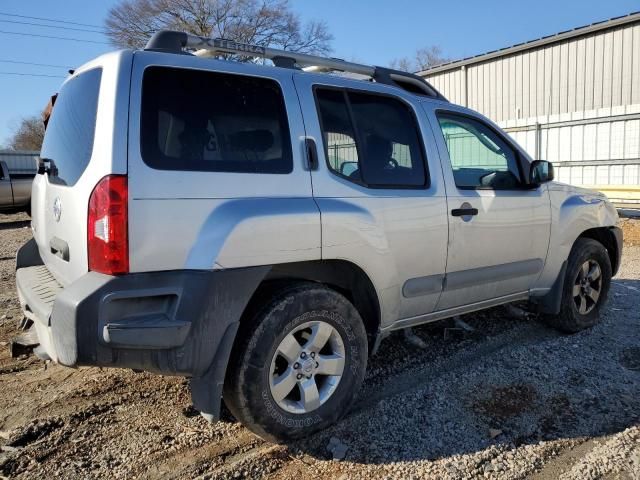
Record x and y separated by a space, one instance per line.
178 42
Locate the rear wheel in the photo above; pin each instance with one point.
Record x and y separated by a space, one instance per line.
297 364
586 286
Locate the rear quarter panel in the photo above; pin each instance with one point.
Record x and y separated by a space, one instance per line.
108 156
210 220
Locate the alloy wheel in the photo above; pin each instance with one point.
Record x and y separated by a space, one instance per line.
307 367
587 287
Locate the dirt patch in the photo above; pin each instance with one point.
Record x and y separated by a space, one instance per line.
630 231
558 414
34 431
506 402
630 358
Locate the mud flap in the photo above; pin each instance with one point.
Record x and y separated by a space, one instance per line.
206 390
28 255
552 301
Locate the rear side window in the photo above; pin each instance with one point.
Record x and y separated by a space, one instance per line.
209 121
68 141
371 139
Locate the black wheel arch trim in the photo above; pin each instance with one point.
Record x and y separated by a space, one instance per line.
611 239
551 302
617 233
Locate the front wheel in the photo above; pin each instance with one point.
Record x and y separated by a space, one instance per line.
298 363
586 286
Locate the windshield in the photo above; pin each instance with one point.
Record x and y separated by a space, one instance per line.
68 141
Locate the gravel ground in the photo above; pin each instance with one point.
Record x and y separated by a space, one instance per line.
510 399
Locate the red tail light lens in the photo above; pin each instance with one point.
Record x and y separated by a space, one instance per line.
107 239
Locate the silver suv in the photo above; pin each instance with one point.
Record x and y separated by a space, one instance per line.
260 229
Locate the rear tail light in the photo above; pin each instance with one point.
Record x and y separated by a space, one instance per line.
107 239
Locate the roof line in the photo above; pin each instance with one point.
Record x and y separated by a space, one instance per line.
558 37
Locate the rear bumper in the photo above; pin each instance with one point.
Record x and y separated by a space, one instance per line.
173 323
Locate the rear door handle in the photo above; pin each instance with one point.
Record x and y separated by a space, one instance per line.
312 153
464 212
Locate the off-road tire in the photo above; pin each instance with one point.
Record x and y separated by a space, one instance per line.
247 391
570 320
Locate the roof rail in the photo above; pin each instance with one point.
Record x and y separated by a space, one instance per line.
178 42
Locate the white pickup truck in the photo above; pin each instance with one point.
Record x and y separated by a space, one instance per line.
15 182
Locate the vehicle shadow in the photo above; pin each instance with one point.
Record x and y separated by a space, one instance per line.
509 382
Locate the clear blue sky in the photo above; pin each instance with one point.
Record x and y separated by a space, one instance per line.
374 31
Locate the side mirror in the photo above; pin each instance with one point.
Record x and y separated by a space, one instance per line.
541 171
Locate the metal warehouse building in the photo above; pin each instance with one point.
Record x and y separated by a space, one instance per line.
20 162
572 98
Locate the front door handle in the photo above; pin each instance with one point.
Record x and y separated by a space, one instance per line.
463 212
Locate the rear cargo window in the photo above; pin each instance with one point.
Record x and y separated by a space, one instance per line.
68 141
209 121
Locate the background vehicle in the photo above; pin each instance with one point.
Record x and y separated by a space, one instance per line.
261 229
17 170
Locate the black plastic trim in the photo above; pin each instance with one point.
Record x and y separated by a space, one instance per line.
312 153
552 302
617 233
167 41
384 75
172 323
463 212
285 62
28 255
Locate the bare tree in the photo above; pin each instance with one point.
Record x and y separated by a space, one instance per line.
260 22
28 135
423 58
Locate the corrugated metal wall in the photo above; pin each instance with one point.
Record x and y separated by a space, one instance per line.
575 102
585 73
21 162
